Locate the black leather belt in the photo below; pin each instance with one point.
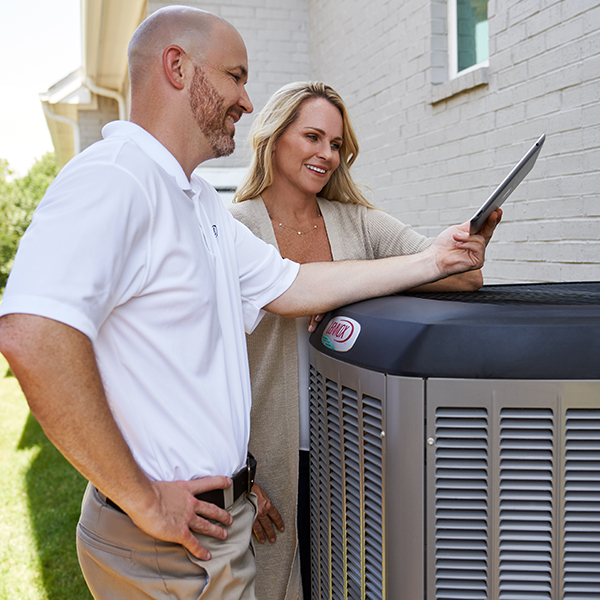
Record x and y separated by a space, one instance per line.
242 483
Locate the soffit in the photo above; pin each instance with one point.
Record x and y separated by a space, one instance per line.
107 27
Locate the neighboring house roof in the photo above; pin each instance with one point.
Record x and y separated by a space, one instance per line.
106 28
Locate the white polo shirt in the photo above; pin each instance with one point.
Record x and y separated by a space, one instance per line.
163 281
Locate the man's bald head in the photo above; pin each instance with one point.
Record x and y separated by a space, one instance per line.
189 28
188 71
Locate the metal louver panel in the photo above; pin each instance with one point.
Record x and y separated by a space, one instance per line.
543 495
352 495
346 491
461 503
373 496
336 493
319 492
581 559
527 503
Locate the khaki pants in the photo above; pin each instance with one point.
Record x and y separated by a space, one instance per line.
121 562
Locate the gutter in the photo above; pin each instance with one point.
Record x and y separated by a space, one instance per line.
62 119
109 94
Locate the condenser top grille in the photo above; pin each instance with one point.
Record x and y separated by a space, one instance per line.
545 293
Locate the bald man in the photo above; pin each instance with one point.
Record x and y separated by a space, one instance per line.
124 321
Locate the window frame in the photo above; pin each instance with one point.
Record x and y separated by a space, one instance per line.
452 33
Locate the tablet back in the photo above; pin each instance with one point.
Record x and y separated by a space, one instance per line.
507 187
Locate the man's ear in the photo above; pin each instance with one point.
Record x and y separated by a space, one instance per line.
173 59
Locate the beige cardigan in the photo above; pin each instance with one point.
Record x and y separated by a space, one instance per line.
354 232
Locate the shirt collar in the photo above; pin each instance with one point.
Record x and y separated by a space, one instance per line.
150 146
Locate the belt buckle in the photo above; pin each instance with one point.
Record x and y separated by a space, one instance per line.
228 497
251 468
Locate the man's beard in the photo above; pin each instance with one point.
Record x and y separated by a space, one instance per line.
207 108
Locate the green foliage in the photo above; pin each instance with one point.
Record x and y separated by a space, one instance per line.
18 199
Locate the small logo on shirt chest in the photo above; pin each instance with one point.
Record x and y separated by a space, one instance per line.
215 231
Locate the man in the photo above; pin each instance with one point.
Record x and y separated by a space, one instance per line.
124 321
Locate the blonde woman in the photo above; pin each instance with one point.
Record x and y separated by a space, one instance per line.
299 196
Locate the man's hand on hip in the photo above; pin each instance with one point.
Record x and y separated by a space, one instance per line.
176 513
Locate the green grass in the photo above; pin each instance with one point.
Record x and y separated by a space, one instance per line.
40 499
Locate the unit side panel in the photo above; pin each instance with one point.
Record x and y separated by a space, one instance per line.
512 489
347 480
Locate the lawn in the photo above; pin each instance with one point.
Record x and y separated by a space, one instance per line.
40 498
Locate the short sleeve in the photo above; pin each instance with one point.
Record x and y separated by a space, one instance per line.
85 250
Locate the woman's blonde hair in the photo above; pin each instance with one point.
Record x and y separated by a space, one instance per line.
281 110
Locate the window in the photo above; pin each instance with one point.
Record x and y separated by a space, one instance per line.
467 35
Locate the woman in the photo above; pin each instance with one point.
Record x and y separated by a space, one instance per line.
299 196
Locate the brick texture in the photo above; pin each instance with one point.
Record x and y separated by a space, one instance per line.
432 165
430 155
91 122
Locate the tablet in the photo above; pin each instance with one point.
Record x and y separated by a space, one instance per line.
507 187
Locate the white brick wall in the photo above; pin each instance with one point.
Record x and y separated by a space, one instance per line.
91 122
432 162
432 165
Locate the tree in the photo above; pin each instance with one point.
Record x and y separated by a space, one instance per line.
18 199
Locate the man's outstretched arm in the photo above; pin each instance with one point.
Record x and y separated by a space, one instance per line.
320 287
56 367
